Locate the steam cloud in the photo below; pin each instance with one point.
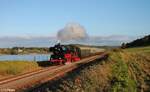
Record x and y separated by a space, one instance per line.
72 31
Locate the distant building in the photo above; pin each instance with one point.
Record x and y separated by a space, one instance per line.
20 50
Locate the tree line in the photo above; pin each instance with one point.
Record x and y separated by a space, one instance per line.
145 41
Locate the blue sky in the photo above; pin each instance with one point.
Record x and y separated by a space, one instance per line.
99 17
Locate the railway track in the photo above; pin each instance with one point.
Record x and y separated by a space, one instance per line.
37 77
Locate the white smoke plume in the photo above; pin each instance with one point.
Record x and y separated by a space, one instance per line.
72 31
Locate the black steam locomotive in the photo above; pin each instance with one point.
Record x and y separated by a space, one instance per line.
63 54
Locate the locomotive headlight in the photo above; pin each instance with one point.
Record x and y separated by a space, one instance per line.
59 58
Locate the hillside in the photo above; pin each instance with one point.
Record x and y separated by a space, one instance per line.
145 41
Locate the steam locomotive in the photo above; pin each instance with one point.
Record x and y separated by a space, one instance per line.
63 54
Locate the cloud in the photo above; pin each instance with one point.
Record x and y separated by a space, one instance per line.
72 31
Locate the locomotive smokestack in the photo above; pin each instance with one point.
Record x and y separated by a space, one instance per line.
72 31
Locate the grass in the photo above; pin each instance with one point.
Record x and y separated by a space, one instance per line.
131 72
121 81
139 49
16 67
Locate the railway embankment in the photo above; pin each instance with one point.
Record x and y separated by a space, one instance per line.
125 70
79 79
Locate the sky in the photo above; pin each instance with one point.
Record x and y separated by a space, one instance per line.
99 17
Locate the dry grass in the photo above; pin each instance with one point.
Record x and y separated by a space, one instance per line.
16 67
